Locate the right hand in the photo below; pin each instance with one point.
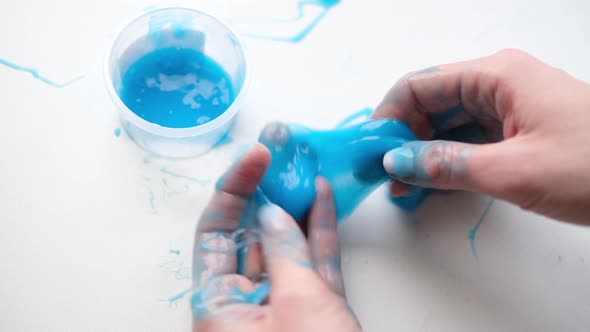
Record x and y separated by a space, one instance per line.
534 120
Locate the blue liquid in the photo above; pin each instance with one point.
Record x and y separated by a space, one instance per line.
177 88
350 158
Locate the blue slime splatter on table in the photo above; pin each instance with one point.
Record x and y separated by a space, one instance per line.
165 170
176 297
350 158
324 5
36 74
475 229
177 88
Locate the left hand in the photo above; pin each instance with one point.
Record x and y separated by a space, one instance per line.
306 292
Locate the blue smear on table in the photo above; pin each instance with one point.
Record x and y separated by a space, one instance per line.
178 296
152 199
177 269
475 229
38 76
325 8
176 88
350 158
182 176
174 251
117 132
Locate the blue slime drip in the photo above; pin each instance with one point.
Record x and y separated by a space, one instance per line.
475 229
325 6
177 88
36 74
350 158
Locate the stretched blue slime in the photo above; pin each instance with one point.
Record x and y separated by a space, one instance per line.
350 158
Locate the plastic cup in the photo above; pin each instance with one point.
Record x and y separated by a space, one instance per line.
183 28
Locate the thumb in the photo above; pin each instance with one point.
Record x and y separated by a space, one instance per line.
485 168
286 252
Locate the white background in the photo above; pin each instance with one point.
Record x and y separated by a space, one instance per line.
82 248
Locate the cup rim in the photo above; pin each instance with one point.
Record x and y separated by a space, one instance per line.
157 129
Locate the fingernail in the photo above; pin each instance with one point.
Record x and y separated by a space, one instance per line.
272 218
322 189
400 162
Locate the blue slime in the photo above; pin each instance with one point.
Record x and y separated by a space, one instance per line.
36 75
350 158
177 88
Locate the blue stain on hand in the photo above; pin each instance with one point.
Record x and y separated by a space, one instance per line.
36 74
442 121
117 132
257 296
247 233
412 201
325 6
350 158
475 229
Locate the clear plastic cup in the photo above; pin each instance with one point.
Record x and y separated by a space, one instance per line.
183 28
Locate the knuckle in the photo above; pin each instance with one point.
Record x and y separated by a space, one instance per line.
445 162
511 61
513 53
436 161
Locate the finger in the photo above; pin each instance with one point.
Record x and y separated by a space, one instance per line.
323 237
215 248
253 261
493 169
215 254
223 299
233 190
286 254
399 189
439 98
235 317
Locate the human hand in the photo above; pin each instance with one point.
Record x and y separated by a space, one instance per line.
306 287
534 119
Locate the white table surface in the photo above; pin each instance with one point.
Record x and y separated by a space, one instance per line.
87 223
